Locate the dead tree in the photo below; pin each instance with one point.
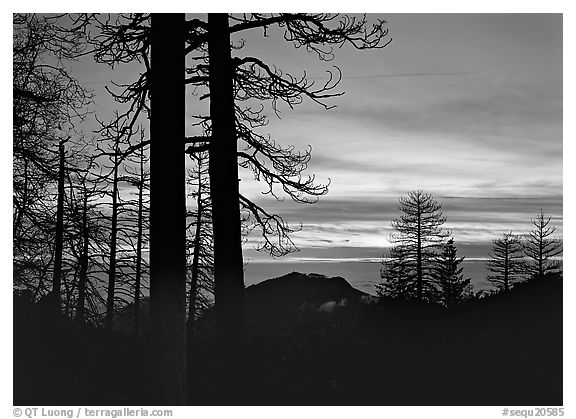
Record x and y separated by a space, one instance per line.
506 264
168 209
542 249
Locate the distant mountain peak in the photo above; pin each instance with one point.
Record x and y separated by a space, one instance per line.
297 287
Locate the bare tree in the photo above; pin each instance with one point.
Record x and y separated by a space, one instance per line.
200 249
109 151
506 262
83 275
199 240
59 236
129 38
541 248
85 235
168 209
136 231
224 192
47 102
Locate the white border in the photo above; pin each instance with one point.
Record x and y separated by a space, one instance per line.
420 6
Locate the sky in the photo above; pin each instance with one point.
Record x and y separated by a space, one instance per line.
467 107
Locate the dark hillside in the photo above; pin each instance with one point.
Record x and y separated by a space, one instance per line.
58 362
317 341
502 349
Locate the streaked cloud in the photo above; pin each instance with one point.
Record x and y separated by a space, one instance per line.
366 223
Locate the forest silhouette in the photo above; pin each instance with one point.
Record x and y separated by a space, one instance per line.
126 294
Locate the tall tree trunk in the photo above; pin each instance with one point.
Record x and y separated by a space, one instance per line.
506 288
223 170
168 209
419 259
139 246
24 203
59 239
196 257
195 270
113 241
541 254
83 277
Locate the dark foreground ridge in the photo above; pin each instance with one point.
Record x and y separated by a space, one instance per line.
314 340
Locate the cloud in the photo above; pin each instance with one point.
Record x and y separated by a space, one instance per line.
493 142
363 225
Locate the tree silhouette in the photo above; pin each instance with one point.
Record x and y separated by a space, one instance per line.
420 234
47 103
200 251
59 236
168 210
140 179
114 134
116 174
447 272
397 276
224 192
84 255
134 237
506 262
199 240
541 248
85 234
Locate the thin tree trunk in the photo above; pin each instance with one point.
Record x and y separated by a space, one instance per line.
22 208
139 247
506 270
540 254
195 268
223 170
196 257
83 279
419 260
168 210
113 241
59 239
